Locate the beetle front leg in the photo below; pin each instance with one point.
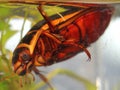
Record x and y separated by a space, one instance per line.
37 72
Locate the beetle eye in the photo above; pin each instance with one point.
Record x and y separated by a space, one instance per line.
25 57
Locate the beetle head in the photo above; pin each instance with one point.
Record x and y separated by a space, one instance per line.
22 61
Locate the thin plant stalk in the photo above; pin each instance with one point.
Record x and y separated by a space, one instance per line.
22 29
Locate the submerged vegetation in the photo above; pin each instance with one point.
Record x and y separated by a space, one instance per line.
8 79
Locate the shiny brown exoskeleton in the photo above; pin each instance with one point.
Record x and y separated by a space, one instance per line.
57 39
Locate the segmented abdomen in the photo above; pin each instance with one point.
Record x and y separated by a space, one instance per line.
88 28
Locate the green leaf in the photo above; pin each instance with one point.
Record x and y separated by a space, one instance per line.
3 86
4 25
4 11
7 35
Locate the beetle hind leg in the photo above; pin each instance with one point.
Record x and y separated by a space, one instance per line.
86 51
47 19
80 46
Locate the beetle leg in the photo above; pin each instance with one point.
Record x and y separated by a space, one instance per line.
80 46
42 77
58 39
66 51
46 18
32 76
42 47
86 51
21 82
